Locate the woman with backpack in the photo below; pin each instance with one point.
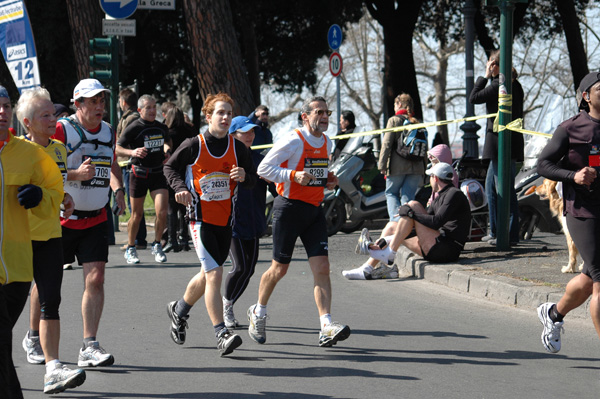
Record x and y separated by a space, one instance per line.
403 176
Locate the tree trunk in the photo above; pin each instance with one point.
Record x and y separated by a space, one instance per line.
439 86
577 55
398 23
216 53
85 18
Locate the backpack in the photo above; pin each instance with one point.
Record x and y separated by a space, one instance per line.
82 136
412 144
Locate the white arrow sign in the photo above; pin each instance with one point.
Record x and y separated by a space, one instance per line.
123 2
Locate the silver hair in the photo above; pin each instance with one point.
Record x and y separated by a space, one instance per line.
145 98
306 108
26 105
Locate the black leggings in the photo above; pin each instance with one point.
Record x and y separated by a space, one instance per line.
244 255
585 233
48 275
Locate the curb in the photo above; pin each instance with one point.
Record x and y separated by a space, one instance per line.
477 283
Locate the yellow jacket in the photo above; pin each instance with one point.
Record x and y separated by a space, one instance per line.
23 163
45 229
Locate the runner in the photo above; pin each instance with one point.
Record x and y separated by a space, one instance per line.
92 171
298 164
249 224
146 141
211 164
30 180
35 111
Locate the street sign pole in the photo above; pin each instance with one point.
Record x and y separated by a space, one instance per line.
334 38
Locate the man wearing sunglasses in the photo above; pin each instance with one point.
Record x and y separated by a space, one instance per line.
298 164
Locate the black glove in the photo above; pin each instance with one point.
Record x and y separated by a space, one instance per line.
29 196
406 210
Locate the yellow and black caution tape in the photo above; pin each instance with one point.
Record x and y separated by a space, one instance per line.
412 126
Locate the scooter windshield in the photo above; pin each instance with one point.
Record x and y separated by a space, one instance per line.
551 115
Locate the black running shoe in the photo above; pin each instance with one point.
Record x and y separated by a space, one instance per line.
178 324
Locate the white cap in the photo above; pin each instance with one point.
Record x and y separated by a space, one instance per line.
87 88
442 170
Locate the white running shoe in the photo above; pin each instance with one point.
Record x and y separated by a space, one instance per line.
257 327
228 316
131 256
94 355
62 378
33 348
158 253
382 272
362 247
552 330
332 333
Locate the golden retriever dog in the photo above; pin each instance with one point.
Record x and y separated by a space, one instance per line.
548 191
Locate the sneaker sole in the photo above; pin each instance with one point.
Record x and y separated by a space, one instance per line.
235 342
173 334
94 363
340 336
74 382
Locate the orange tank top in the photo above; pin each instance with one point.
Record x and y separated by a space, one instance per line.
314 161
213 184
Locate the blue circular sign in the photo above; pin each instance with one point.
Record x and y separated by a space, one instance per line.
119 9
334 36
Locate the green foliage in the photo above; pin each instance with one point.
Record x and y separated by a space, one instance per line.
292 36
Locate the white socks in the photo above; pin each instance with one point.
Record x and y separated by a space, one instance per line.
52 365
260 310
358 273
325 320
385 256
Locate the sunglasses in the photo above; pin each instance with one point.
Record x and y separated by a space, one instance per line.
321 111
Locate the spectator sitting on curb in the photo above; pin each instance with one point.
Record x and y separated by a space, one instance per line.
438 234
372 269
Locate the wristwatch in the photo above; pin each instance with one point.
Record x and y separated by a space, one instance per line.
120 189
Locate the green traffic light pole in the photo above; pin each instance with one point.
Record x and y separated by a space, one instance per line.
507 8
110 73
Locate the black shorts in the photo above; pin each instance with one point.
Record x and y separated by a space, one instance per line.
585 233
293 219
139 186
443 251
89 245
48 275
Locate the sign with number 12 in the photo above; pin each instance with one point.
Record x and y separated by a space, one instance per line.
17 44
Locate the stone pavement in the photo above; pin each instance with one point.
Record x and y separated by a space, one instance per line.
525 276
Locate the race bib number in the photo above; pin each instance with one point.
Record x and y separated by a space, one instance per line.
102 176
215 187
154 142
63 170
318 168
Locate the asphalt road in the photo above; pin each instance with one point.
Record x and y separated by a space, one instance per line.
410 339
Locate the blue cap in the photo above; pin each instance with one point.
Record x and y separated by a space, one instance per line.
241 123
4 92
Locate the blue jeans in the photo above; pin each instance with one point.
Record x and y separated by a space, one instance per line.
491 190
141 235
399 190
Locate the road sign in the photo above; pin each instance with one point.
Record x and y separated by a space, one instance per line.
118 27
335 63
334 36
119 9
156 4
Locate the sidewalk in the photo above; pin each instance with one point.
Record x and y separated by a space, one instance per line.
525 276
